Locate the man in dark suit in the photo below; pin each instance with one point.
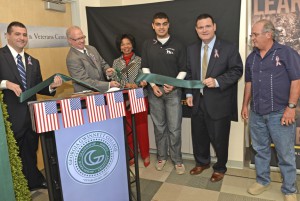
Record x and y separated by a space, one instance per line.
86 64
12 82
218 64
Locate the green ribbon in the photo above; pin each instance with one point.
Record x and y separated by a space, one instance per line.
32 91
119 74
161 80
149 77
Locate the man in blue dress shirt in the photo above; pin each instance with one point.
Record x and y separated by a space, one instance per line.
272 83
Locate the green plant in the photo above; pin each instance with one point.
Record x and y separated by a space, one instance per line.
22 192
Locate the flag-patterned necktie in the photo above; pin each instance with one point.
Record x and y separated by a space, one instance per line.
22 71
204 62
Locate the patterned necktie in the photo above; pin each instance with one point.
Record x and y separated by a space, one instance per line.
204 62
89 56
22 71
92 59
85 52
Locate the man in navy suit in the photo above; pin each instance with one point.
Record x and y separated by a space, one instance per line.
218 65
12 83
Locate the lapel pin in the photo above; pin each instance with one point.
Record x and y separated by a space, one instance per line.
93 57
29 61
277 61
216 53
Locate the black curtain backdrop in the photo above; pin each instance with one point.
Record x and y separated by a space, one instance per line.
106 23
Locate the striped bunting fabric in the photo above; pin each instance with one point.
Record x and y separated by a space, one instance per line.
71 112
115 102
137 101
95 105
46 116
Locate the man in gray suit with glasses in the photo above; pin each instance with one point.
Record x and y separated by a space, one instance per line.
86 64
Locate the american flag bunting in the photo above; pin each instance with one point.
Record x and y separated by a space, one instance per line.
46 116
71 112
115 102
95 105
137 101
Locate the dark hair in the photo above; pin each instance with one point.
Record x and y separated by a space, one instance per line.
14 24
121 37
160 15
205 16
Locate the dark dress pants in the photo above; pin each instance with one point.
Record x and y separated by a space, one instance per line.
206 130
28 145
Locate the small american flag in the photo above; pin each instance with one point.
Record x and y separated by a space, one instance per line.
71 112
115 102
137 101
46 117
96 108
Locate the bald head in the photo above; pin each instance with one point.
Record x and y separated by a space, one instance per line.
71 29
75 37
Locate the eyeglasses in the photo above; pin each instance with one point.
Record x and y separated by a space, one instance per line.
255 35
77 39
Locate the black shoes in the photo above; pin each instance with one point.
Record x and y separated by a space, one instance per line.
43 185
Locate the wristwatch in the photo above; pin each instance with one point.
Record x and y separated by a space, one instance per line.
292 105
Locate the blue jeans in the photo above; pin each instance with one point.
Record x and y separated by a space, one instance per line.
265 129
166 114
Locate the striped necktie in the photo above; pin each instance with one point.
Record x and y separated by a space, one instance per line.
22 71
204 62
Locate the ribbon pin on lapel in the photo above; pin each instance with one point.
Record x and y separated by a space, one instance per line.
93 57
29 61
277 61
216 53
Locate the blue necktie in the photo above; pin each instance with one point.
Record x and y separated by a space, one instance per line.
21 69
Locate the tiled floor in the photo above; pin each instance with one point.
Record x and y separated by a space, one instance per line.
166 185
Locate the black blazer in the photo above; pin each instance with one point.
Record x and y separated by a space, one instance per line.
18 112
225 65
